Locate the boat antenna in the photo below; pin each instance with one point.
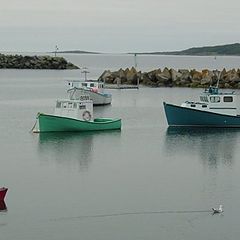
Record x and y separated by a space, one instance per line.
85 71
135 60
56 49
135 65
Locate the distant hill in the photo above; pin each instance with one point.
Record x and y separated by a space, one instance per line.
229 49
78 52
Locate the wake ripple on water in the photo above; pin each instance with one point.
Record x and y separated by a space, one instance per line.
131 213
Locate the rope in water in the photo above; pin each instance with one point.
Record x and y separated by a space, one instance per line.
33 126
35 123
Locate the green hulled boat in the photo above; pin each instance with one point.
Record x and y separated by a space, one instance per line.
73 115
52 123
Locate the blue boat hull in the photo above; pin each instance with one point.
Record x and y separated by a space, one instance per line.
186 117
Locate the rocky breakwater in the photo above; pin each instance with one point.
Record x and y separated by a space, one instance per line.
34 62
174 78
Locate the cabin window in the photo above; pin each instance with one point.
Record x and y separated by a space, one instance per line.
91 84
58 105
215 99
228 99
64 105
204 106
84 84
70 105
203 98
193 105
82 106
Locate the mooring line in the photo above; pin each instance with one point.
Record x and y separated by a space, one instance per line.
132 213
33 127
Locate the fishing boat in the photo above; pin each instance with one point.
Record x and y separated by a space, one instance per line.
94 88
3 192
214 109
73 115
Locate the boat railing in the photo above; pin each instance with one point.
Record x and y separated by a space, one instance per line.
191 102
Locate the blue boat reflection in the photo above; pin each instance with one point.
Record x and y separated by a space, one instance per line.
212 145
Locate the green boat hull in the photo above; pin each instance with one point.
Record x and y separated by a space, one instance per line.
51 123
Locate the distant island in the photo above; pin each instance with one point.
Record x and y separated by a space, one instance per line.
220 50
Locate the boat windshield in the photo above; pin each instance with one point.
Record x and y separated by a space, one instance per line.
212 90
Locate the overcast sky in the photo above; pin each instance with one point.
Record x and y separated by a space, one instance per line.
117 25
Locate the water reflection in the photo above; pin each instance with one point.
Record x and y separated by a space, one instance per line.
69 147
3 207
212 145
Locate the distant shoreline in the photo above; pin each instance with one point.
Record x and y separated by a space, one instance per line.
219 50
232 50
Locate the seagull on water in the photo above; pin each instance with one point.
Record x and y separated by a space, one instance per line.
218 210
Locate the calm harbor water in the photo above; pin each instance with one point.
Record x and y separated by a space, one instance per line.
144 182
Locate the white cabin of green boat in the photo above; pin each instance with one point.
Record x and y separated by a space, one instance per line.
80 108
211 100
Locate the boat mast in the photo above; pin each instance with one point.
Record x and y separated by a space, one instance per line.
135 65
135 60
85 71
55 52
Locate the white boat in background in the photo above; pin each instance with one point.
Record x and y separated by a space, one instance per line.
94 88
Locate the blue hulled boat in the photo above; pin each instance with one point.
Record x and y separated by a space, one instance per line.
215 109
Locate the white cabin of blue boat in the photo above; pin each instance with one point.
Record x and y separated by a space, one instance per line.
211 100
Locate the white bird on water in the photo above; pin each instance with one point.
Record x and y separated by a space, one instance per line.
218 210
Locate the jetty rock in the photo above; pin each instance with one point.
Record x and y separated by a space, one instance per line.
34 62
232 76
174 77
